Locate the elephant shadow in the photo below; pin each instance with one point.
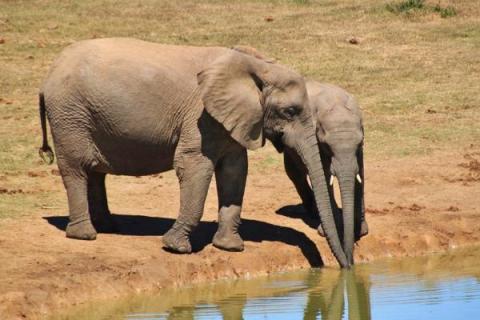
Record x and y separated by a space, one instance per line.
299 212
250 230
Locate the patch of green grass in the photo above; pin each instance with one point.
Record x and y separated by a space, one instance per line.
412 6
405 6
397 68
445 12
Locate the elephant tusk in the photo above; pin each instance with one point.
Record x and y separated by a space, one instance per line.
331 180
359 179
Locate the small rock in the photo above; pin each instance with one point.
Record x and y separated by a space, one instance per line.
2 40
269 18
352 40
416 207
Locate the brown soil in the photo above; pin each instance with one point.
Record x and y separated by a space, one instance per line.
415 206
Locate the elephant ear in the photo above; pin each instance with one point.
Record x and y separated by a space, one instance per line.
232 93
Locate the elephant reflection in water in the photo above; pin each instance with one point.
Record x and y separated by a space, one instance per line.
230 308
325 298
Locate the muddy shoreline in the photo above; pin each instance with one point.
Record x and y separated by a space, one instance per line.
412 210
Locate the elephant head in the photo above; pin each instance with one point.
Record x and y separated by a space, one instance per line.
340 134
256 100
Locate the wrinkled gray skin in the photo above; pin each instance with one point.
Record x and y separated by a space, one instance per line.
128 107
340 139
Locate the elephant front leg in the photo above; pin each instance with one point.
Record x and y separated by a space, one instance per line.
231 176
194 176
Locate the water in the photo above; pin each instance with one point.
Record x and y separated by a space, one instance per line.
436 287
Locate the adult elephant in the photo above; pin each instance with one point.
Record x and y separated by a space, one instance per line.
129 107
340 139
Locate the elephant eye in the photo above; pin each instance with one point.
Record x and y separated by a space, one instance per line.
291 111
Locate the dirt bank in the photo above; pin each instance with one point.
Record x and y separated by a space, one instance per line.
415 206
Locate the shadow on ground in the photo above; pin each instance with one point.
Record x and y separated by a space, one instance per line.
250 230
299 212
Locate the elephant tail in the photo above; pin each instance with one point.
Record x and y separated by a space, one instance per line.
45 152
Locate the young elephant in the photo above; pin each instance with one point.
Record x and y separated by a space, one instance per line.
129 107
340 139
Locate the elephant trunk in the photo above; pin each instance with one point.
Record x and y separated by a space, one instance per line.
309 152
346 182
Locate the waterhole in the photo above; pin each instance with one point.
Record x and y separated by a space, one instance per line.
443 286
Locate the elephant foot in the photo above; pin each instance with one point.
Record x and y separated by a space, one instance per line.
177 240
105 223
229 241
82 230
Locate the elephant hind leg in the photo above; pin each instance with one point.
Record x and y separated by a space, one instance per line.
98 205
231 176
80 225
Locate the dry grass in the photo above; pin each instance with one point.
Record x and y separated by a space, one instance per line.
417 77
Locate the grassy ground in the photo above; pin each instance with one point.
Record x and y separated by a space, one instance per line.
416 74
